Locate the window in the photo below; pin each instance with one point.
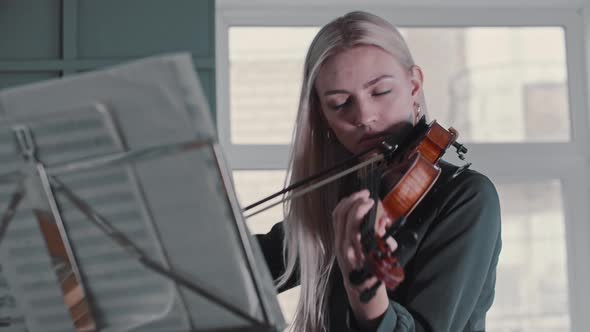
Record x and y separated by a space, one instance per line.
533 248
503 80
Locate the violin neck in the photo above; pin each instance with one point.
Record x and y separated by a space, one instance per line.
370 180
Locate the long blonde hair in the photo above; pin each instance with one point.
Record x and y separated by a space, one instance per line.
308 246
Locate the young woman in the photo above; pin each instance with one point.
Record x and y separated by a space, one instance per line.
359 84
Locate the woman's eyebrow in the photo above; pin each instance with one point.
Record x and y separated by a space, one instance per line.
375 80
366 85
334 92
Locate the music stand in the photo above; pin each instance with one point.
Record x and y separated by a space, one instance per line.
117 210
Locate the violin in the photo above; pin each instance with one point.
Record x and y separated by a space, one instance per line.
400 182
400 176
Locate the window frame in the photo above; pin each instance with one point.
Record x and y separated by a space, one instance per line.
568 162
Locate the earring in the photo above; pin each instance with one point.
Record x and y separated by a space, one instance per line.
329 135
418 111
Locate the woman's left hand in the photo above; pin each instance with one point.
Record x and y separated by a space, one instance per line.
347 218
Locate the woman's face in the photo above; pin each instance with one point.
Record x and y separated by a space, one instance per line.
366 94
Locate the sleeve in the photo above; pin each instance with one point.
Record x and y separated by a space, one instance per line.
396 318
454 265
271 245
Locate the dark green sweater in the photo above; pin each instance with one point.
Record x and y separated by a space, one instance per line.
450 271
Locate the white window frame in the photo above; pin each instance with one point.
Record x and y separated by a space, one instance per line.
567 162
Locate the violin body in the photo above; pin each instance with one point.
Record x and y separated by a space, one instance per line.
409 186
405 179
409 178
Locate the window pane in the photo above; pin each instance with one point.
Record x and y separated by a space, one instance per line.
265 82
252 186
531 289
493 84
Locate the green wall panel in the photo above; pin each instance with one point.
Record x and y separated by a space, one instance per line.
131 28
30 29
43 39
207 78
11 79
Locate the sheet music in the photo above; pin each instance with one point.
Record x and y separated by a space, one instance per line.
11 311
115 281
164 200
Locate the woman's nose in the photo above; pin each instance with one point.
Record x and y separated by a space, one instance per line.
364 114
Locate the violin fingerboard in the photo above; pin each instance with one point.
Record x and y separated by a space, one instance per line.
370 181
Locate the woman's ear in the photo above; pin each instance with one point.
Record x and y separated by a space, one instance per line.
416 79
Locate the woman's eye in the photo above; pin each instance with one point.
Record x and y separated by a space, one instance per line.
381 93
341 105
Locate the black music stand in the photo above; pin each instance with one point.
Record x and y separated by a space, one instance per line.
117 212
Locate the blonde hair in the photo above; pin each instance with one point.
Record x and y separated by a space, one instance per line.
308 246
